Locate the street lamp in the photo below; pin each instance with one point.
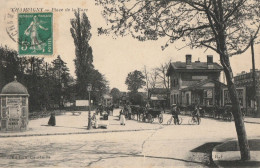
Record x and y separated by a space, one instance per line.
89 89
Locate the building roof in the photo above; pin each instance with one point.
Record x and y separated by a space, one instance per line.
195 65
106 96
199 66
197 84
14 88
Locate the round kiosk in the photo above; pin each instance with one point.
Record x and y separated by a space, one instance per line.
14 107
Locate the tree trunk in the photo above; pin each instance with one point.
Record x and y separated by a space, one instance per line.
236 110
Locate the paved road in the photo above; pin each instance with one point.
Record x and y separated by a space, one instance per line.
169 146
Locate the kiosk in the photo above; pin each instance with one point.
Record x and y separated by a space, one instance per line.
14 107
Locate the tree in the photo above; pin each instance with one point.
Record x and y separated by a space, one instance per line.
8 65
80 31
115 93
146 78
136 99
99 85
61 76
157 77
153 78
135 81
163 80
227 27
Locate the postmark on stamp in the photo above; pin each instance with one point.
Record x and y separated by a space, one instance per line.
35 33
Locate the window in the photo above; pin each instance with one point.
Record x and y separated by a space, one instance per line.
207 93
187 99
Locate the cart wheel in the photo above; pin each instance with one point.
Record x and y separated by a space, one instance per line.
199 121
180 121
169 121
132 116
191 121
150 118
141 117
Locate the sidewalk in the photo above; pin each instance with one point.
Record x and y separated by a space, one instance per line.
252 120
228 154
77 124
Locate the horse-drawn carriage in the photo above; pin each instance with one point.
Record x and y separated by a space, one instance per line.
146 114
150 114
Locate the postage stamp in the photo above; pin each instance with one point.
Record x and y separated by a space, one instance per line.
35 33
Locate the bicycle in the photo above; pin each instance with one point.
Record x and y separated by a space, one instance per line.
195 120
174 120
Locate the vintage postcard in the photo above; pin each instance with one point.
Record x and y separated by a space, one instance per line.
129 83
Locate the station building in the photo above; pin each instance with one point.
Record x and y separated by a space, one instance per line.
195 82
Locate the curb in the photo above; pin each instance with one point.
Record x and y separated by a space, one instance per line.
222 158
251 122
71 133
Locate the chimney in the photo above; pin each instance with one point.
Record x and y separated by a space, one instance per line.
188 61
210 61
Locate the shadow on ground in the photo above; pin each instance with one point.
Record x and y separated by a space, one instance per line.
206 149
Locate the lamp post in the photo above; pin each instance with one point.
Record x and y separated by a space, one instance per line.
89 89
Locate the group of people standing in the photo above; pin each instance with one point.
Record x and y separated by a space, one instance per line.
108 109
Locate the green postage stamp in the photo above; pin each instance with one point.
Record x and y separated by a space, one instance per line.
35 33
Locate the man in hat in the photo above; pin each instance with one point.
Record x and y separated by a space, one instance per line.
175 114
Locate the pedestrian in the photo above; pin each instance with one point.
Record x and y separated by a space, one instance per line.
163 106
147 105
122 118
95 119
52 120
175 114
112 109
129 112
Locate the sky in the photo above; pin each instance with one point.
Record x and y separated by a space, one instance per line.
113 57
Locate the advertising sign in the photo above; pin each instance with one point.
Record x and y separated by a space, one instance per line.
82 103
13 101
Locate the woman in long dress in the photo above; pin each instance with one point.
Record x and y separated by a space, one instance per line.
52 120
122 118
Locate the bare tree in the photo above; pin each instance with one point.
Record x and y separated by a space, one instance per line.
163 79
225 27
153 78
146 75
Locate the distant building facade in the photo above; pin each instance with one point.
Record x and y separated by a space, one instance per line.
251 90
158 97
195 82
